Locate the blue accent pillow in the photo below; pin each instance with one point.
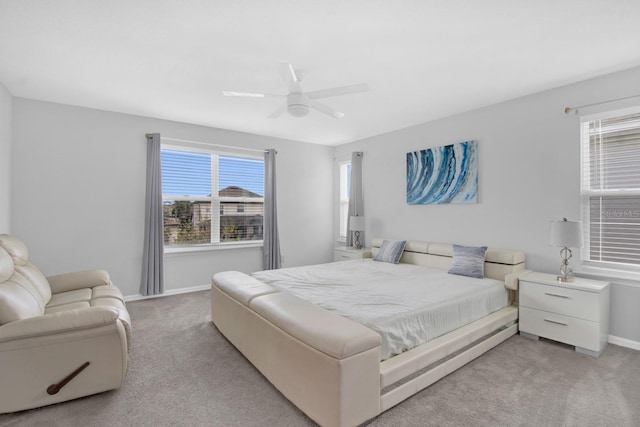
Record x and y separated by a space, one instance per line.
468 261
390 251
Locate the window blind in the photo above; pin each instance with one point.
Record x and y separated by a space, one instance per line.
611 189
210 197
185 173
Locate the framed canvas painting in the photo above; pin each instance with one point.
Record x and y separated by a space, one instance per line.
442 175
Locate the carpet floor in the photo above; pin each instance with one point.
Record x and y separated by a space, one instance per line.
183 372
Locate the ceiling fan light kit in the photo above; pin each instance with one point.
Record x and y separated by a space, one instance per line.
298 102
297 105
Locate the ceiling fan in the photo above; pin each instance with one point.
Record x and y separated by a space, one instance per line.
298 102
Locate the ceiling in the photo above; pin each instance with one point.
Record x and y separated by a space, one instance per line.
423 59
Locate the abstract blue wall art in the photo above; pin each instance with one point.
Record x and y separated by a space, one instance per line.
443 175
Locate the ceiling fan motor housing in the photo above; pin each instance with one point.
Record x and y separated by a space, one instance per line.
297 104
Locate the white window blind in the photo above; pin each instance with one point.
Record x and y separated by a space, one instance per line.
611 190
210 197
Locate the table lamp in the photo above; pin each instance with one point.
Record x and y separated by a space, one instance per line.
565 234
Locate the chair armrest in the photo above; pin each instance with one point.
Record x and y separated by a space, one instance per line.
78 280
64 321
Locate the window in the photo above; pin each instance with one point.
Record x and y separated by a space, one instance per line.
611 189
345 184
202 192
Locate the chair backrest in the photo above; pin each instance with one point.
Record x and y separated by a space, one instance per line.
24 291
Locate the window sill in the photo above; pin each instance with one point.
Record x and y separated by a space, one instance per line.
618 276
208 248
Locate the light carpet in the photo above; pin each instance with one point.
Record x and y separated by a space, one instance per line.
183 372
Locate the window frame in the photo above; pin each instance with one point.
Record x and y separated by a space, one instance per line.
589 266
344 171
215 200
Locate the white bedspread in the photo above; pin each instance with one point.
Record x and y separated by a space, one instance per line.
406 304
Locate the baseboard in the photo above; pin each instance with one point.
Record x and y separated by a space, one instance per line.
168 293
623 342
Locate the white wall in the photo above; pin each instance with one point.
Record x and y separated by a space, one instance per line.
529 173
78 194
6 107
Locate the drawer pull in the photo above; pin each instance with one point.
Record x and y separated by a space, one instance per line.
556 295
555 322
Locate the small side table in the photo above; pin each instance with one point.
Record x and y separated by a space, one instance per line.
343 253
575 313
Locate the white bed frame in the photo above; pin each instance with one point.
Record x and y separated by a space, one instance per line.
329 366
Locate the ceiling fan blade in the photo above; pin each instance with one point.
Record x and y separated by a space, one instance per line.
248 94
251 94
277 112
325 109
290 77
336 91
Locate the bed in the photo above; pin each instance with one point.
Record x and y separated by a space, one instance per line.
339 367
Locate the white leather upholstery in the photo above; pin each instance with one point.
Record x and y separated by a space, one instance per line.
328 365
325 331
49 327
25 291
78 280
333 391
512 280
243 288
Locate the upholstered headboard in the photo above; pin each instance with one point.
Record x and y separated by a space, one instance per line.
498 263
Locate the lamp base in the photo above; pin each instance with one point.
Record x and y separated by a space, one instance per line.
566 273
357 243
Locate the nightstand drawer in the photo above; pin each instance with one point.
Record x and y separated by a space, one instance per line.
561 300
343 256
344 253
569 330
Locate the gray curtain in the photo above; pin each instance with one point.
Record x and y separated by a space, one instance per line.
152 258
271 241
356 200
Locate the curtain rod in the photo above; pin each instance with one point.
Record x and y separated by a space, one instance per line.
209 144
576 109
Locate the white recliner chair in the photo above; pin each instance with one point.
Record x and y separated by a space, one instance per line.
61 337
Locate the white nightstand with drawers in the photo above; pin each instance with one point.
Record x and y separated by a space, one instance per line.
575 313
343 253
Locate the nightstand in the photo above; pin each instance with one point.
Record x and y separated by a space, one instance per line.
575 313
343 253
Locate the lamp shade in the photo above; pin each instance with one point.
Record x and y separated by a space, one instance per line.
565 234
356 223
